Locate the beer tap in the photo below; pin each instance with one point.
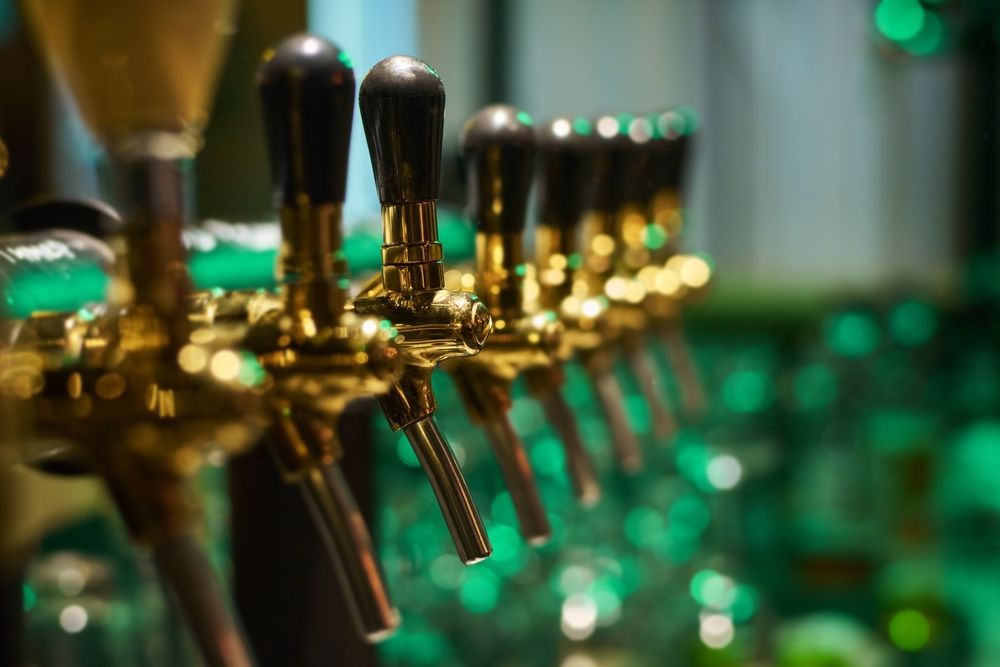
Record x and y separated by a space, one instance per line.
133 382
402 110
620 215
569 170
498 145
685 276
319 356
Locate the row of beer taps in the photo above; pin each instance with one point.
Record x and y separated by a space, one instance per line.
139 388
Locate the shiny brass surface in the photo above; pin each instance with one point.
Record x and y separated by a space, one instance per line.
457 507
520 480
433 324
411 254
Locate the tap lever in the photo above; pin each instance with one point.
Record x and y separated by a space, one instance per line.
567 170
454 498
306 89
498 146
402 109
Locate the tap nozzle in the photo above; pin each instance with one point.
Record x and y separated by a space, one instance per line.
402 110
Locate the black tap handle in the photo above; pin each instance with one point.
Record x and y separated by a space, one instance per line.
567 171
622 159
402 110
306 89
498 146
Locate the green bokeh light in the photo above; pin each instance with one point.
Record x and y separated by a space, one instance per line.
900 20
909 630
747 391
480 592
852 334
815 387
583 126
655 237
912 323
930 39
547 456
643 525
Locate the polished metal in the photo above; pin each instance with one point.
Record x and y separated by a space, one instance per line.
623 439
519 479
190 577
579 464
453 496
344 532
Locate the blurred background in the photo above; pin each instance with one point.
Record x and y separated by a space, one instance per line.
839 502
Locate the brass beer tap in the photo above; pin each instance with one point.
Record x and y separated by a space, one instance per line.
402 110
498 145
621 217
133 382
319 356
570 276
672 277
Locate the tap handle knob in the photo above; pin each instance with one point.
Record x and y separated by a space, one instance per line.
306 89
498 146
567 171
402 110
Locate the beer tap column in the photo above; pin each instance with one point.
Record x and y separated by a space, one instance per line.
319 357
402 109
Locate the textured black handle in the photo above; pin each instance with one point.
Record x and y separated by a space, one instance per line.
402 110
669 150
622 159
306 89
498 146
567 171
